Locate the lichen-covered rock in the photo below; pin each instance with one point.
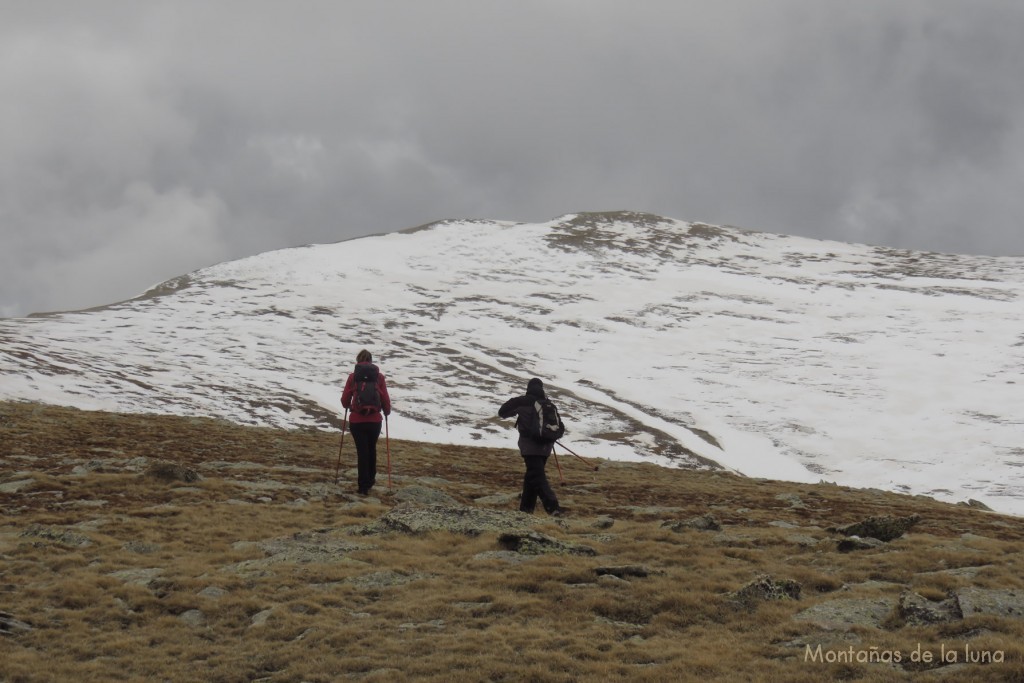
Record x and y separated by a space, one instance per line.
409 518
919 611
885 528
705 522
51 534
10 625
534 543
627 570
848 613
764 588
171 472
424 495
998 602
319 546
852 543
976 504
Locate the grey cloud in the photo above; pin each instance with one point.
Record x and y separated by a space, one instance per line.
263 125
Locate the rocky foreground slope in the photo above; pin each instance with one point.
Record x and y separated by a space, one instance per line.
173 548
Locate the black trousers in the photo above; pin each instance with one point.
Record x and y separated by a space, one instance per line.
535 485
365 434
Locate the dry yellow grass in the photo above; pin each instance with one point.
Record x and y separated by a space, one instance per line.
122 576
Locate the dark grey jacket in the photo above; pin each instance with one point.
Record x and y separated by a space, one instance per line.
517 406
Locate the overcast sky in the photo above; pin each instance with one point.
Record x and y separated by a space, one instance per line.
143 140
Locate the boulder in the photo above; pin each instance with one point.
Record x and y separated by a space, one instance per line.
976 504
848 613
171 472
624 571
764 588
916 610
705 522
998 602
847 545
424 495
534 543
52 534
9 625
885 528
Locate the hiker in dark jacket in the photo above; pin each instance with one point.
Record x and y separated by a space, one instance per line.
535 452
364 421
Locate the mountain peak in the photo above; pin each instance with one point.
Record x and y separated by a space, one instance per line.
683 344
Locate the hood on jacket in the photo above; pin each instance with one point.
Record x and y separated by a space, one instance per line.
535 388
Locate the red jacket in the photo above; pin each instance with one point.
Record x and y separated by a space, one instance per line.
385 400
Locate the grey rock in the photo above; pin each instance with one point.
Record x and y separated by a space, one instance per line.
998 602
432 481
848 545
260 618
764 588
603 522
509 556
319 546
651 510
919 611
627 570
16 486
138 577
705 522
611 581
534 543
885 528
802 540
57 535
434 625
213 592
960 572
170 472
140 547
9 625
976 504
848 613
193 617
497 499
795 502
424 495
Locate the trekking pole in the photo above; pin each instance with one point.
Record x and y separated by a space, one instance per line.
337 467
561 479
590 464
387 441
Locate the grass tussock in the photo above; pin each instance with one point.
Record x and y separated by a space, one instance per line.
258 570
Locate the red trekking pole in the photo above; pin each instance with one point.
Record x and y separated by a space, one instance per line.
337 467
387 441
589 464
561 479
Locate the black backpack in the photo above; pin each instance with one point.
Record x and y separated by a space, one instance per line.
541 421
365 396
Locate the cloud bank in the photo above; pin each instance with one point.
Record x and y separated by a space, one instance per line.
142 141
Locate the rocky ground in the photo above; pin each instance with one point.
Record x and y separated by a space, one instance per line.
167 548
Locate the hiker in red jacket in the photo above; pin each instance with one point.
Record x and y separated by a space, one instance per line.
366 397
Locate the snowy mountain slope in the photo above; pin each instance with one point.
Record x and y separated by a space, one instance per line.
661 340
